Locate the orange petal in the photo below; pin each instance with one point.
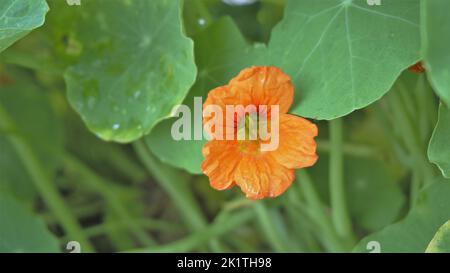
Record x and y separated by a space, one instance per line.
261 176
221 159
297 148
221 97
266 85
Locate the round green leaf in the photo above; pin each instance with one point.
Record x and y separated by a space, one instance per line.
21 231
18 18
418 228
344 55
135 65
435 24
185 154
439 148
441 240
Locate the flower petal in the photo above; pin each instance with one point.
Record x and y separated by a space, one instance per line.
261 176
266 85
221 159
297 148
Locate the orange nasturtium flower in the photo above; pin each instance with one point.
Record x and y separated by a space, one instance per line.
259 173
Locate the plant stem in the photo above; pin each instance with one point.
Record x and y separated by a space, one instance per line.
410 137
175 185
358 150
45 187
274 237
340 216
93 180
156 225
317 213
223 223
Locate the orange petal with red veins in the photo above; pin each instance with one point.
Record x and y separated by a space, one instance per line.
297 148
266 85
261 176
221 160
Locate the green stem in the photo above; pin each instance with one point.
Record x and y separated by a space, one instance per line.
121 162
174 184
221 225
352 149
103 188
410 137
155 225
278 243
317 213
46 188
339 213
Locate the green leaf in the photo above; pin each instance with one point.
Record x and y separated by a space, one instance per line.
221 52
185 154
134 67
31 117
21 231
344 55
418 228
436 44
439 148
18 18
441 240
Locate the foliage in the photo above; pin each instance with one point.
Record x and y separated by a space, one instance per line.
86 101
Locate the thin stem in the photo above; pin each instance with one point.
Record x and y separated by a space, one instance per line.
93 180
46 187
410 138
340 216
175 185
149 224
317 213
278 243
223 223
352 149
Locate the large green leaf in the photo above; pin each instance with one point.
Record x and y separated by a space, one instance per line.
439 148
343 55
414 233
441 240
435 24
18 18
435 49
136 64
221 52
21 231
30 115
